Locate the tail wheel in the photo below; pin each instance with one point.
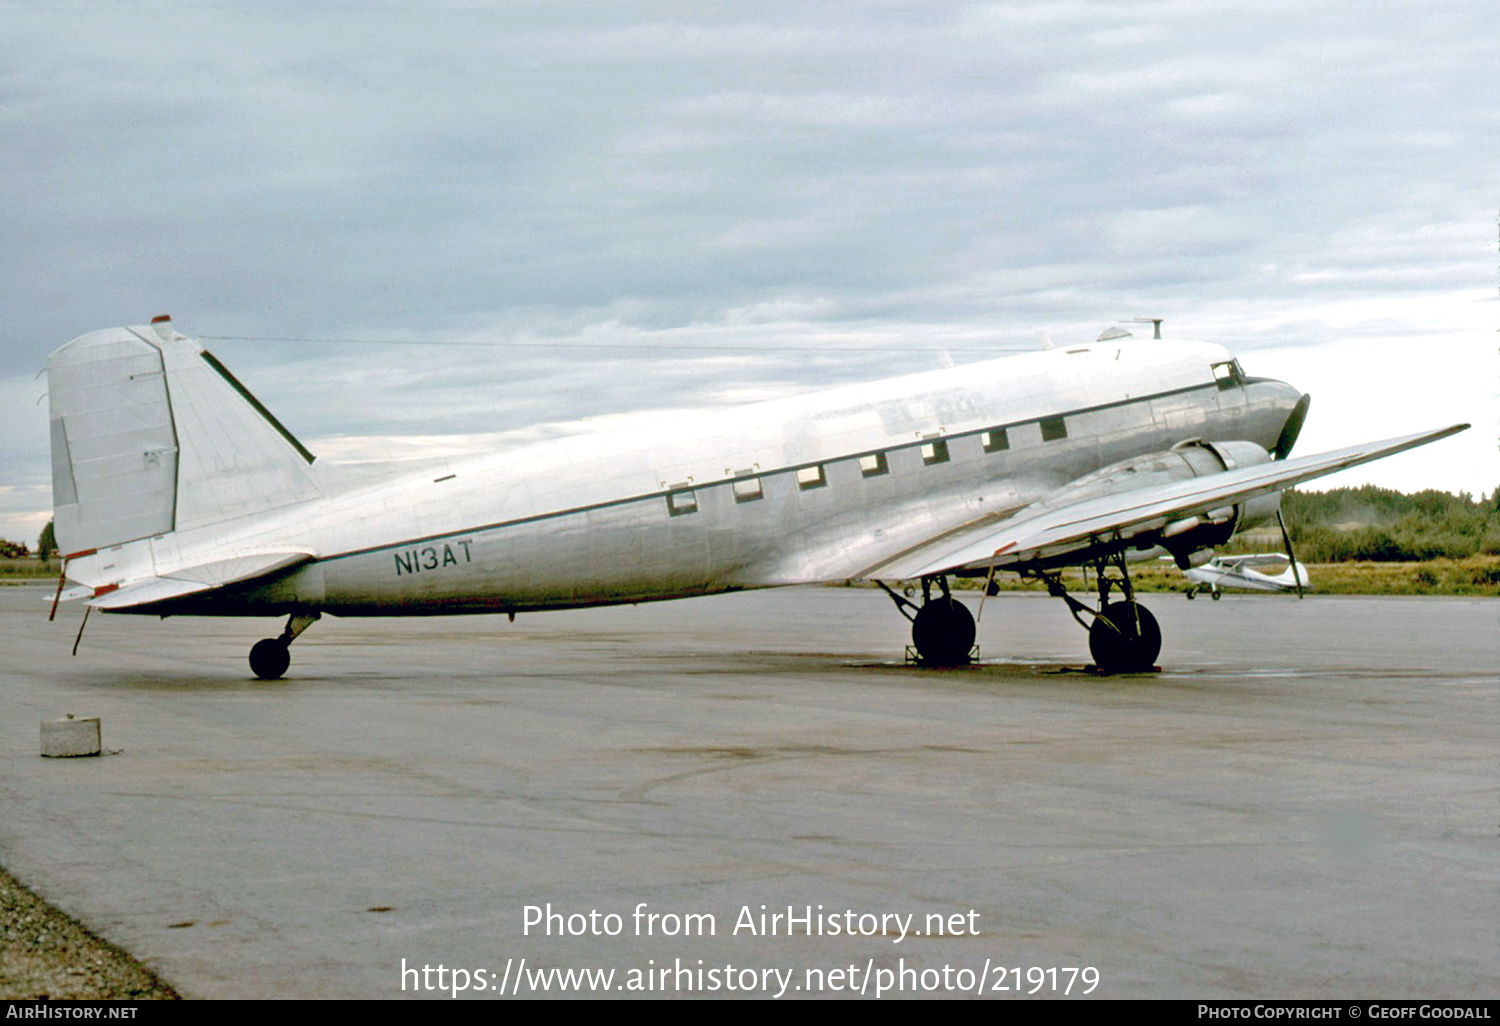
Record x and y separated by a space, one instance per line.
1125 638
943 632
269 658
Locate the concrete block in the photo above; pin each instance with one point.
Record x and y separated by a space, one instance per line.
70 736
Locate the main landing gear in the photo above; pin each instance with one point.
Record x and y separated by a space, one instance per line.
1123 636
270 657
942 629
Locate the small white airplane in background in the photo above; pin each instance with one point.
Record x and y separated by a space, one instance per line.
1267 571
177 493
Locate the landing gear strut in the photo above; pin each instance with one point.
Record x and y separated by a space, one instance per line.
942 628
270 657
1123 636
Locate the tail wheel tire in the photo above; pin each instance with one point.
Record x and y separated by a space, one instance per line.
1125 638
943 632
269 658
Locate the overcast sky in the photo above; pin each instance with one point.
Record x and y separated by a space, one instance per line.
568 210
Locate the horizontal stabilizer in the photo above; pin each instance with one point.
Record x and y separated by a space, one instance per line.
1055 534
192 580
71 594
143 593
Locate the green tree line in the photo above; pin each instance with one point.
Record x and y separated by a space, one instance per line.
1383 525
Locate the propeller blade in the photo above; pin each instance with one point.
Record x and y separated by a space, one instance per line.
1291 429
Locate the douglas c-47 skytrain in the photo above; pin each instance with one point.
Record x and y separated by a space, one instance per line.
177 493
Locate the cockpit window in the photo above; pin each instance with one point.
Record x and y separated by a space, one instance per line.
1228 374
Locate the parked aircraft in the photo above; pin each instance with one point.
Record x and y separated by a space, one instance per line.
1266 571
177 493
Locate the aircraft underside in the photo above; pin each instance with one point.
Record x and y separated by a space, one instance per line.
1123 635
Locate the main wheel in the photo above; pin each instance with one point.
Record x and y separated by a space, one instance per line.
1125 638
943 632
269 658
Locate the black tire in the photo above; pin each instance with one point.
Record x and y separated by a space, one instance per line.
1217 596
269 658
1125 638
943 633
1192 593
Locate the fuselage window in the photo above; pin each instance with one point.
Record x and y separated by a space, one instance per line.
747 489
1054 428
811 477
874 465
996 440
679 503
935 452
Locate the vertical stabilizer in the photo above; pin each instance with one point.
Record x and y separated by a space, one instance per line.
114 449
150 434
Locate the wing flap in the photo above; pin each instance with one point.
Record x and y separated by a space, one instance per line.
1125 515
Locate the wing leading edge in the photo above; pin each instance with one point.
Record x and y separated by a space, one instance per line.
1125 517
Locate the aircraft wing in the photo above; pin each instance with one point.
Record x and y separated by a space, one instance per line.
1125 516
1250 561
1222 562
191 580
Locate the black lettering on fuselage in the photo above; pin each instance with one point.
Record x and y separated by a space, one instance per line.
414 561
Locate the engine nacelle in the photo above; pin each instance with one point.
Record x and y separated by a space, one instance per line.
1190 539
1186 539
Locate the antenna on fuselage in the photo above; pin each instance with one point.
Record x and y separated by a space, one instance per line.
1155 323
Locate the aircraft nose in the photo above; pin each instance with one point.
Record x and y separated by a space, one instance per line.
1283 408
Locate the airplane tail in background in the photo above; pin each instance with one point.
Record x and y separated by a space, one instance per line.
151 434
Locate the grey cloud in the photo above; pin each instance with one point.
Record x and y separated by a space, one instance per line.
528 172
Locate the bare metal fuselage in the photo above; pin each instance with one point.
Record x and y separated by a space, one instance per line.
821 487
